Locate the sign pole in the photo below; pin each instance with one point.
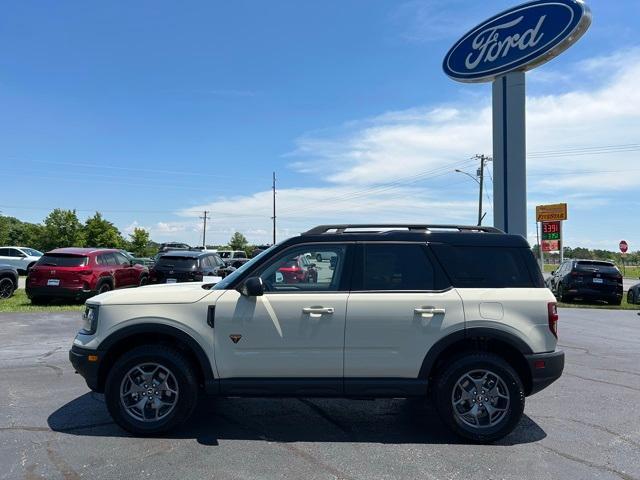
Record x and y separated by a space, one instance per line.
509 154
561 244
539 227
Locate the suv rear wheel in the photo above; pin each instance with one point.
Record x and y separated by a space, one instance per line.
151 389
6 287
480 397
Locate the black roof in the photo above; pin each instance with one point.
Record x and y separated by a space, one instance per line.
457 235
185 253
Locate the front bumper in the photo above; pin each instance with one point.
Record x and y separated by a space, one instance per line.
545 369
86 367
60 292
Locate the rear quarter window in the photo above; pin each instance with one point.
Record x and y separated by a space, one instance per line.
489 267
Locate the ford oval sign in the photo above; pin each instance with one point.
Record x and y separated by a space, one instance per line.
517 39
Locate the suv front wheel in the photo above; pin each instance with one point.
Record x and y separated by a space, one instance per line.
151 389
480 397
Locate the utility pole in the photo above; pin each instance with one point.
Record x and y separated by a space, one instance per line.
274 207
480 173
204 229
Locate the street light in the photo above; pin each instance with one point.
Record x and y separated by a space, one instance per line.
480 215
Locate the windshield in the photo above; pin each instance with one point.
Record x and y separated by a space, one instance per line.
31 252
229 279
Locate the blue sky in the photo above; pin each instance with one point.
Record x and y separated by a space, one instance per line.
152 111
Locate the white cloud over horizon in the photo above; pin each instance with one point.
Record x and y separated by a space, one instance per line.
398 166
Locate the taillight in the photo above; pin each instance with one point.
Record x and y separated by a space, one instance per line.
552 309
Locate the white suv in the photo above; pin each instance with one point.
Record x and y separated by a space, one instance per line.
20 258
460 314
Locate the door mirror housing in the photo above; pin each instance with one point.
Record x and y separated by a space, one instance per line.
252 287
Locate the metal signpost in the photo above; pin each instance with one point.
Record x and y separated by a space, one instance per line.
551 218
500 50
624 246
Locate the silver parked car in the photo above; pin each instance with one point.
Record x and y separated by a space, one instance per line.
20 258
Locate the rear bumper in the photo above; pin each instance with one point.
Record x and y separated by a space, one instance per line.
584 291
545 369
60 292
79 358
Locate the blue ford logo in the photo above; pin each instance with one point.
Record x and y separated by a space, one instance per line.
517 39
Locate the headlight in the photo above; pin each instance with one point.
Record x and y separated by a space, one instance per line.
89 320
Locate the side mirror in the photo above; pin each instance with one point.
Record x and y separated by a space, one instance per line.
553 272
132 262
252 287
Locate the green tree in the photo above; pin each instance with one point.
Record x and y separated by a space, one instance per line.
99 232
139 243
62 229
26 235
238 241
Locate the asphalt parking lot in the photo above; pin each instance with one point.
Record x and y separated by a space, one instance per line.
584 426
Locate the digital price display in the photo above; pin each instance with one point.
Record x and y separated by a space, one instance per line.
551 230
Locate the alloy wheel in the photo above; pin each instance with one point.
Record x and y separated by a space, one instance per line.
480 399
149 392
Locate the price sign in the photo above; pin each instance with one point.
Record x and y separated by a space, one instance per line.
550 230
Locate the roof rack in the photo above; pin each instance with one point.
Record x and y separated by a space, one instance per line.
412 227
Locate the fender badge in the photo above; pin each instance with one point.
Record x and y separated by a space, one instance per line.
235 338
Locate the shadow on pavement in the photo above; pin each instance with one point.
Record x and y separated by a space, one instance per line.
388 421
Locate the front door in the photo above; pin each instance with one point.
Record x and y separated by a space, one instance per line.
294 330
400 306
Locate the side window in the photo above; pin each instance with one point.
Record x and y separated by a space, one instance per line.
486 267
397 267
110 259
241 255
206 261
295 270
218 261
15 253
121 259
100 260
4 252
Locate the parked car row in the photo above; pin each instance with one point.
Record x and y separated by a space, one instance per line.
592 280
80 273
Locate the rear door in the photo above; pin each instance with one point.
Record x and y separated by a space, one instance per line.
8 259
400 306
128 272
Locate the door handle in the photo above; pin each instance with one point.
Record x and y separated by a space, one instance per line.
318 310
429 310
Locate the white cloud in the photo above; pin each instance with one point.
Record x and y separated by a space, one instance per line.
356 167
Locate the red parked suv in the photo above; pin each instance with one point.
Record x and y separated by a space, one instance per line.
80 273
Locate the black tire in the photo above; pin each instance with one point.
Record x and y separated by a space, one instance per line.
144 280
7 287
446 387
630 297
104 286
563 297
168 358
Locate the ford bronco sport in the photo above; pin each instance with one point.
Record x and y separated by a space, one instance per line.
458 314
